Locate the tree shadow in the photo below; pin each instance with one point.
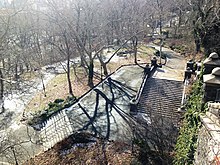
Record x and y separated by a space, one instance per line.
106 114
6 119
117 91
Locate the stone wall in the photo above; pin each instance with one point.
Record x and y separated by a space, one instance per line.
208 146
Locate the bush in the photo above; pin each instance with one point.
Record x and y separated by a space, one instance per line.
59 101
53 107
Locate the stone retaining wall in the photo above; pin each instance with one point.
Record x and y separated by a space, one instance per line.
208 149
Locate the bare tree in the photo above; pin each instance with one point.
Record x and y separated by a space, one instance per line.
205 19
5 28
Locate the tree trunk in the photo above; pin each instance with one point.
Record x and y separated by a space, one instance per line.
44 88
68 76
197 41
9 64
16 76
198 45
91 74
161 46
1 91
68 65
103 65
21 69
1 84
135 42
180 18
82 59
16 72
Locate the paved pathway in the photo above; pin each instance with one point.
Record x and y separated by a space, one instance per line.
104 111
175 66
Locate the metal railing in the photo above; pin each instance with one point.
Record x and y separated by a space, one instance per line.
134 102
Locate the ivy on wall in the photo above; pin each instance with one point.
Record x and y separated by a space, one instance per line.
187 140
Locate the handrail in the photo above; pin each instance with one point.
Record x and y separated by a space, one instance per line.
147 75
183 99
184 92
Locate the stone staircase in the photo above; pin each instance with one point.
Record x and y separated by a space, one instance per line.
55 129
161 97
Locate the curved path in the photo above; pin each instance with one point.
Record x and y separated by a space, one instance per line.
174 68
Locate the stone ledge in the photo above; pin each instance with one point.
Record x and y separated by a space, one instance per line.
212 128
214 105
213 117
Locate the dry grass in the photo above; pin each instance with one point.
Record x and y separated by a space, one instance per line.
58 88
186 47
145 53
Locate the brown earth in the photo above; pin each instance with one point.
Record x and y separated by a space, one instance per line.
98 153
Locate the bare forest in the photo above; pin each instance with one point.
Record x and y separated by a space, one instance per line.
77 34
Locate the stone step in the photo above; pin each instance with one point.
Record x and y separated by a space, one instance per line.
162 97
55 130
